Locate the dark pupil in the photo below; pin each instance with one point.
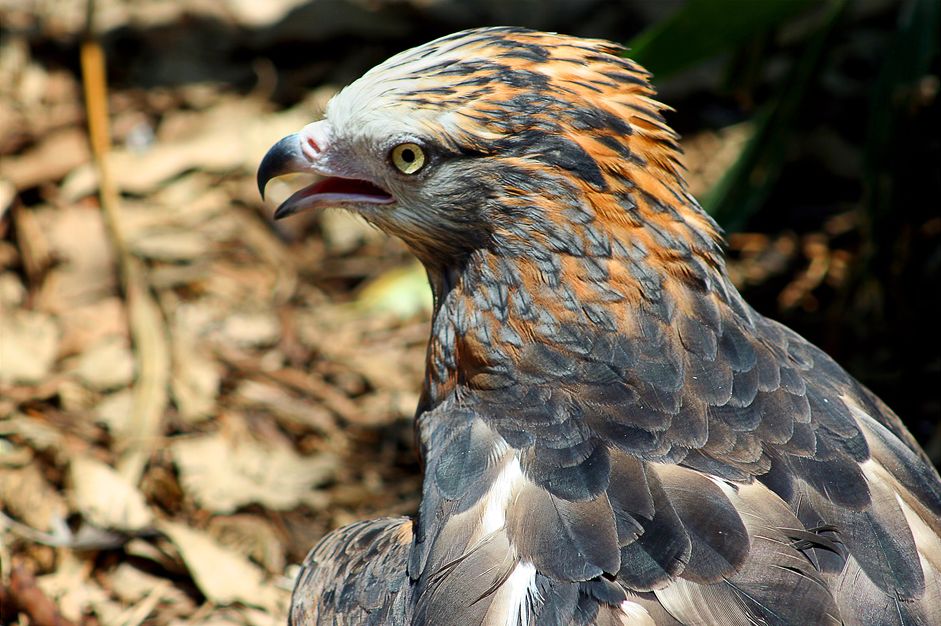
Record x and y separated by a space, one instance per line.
408 156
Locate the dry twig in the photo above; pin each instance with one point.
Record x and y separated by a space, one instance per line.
147 328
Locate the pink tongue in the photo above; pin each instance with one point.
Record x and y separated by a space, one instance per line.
348 186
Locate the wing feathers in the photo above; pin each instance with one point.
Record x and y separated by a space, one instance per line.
576 473
465 461
566 540
468 586
718 540
356 574
879 538
775 584
664 548
614 464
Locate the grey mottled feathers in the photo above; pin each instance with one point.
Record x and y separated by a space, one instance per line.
356 576
567 497
724 467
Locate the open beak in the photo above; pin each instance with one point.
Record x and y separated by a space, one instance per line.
308 151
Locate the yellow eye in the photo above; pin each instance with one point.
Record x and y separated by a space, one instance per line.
408 158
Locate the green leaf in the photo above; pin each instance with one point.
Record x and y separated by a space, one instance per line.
745 187
910 54
702 29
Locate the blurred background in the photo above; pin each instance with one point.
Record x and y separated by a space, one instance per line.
191 395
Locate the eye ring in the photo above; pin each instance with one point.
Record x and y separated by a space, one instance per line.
408 157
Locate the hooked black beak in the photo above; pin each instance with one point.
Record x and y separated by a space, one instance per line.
284 157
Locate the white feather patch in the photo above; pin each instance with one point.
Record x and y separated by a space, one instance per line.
635 615
520 590
493 516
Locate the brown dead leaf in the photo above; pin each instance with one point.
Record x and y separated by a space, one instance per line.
7 195
85 326
212 147
385 366
195 379
28 602
75 593
343 232
38 434
223 472
28 345
54 157
114 412
254 617
250 328
105 498
708 155
28 496
107 365
132 585
32 243
251 535
76 236
12 292
223 575
136 614
75 397
161 552
172 246
287 408
383 407
12 455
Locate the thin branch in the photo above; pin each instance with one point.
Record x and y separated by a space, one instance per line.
147 328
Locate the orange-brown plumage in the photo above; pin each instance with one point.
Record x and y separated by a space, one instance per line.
611 434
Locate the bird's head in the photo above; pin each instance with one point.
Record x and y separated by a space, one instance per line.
521 142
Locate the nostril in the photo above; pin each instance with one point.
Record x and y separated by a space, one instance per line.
314 140
310 147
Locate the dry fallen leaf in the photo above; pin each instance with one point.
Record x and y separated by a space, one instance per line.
173 246
107 365
49 161
257 328
251 535
75 593
131 585
75 397
85 326
224 576
37 434
12 292
343 231
287 408
195 379
28 496
223 473
28 345
105 498
114 412
213 147
76 237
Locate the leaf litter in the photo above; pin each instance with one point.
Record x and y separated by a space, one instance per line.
278 424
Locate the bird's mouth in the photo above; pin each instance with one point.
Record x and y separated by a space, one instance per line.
308 151
333 191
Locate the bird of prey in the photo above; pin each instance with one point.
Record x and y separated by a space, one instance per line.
610 434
